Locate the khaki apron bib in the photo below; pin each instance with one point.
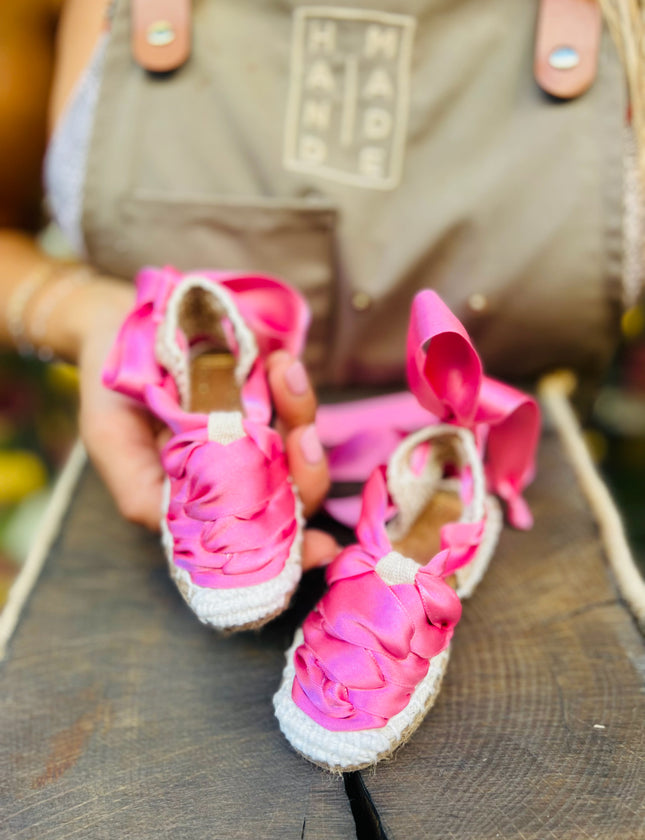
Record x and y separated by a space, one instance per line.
365 153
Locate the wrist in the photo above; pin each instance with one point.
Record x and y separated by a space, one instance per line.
60 305
98 307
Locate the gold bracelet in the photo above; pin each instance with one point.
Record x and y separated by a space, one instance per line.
18 302
48 303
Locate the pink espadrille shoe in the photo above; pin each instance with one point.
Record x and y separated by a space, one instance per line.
193 352
368 662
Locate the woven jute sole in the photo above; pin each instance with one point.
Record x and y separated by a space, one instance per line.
243 608
341 752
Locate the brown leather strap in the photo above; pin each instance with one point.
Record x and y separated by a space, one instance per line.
161 32
566 50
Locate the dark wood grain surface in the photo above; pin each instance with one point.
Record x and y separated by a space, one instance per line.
122 716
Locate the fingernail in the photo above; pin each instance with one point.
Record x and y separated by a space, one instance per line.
296 378
310 446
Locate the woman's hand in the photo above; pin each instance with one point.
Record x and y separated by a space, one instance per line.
123 440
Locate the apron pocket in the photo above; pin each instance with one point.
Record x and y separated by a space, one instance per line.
292 239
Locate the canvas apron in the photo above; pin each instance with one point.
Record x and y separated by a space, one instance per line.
366 152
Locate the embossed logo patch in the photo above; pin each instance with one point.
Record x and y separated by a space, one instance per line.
349 95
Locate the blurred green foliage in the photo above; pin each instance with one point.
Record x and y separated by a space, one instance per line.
38 404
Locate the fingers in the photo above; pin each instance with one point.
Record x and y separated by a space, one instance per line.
308 467
319 549
293 396
295 404
124 449
119 436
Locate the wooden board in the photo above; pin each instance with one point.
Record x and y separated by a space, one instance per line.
121 716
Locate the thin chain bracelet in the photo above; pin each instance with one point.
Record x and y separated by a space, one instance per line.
47 305
18 303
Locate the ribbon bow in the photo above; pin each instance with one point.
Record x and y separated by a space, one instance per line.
446 376
447 384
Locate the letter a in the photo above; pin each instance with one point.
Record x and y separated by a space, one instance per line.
320 77
379 84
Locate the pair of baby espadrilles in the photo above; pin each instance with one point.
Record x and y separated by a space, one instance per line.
368 661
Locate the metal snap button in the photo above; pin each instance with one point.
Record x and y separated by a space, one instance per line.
160 33
564 58
477 302
361 301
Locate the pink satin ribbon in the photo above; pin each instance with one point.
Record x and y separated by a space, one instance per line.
232 508
447 385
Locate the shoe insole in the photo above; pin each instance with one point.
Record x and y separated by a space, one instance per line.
213 385
423 540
